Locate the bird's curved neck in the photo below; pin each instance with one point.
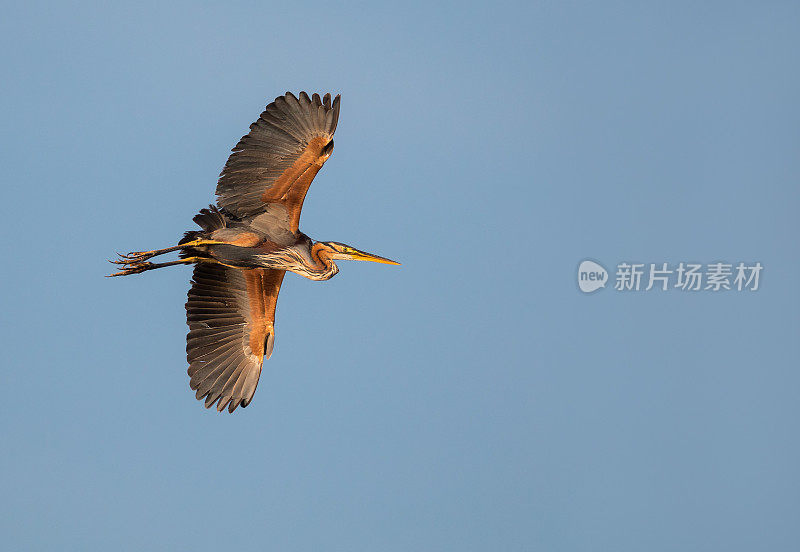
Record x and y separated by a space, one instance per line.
323 268
310 261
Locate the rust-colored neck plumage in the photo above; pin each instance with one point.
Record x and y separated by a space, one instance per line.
314 262
324 268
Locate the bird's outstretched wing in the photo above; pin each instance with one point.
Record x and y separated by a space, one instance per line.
230 313
278 159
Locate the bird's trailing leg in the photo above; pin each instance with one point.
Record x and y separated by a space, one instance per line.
141 256
137 267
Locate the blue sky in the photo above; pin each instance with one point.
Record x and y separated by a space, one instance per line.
472 399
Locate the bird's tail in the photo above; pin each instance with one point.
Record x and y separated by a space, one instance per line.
209 220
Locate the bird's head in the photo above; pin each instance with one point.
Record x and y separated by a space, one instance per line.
336 250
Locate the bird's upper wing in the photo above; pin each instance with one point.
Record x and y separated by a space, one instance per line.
278 159
231 313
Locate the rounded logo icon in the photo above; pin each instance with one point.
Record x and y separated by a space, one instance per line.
591 276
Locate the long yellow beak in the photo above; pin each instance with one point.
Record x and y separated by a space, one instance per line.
363 256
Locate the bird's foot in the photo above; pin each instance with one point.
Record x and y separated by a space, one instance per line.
132 268
134 257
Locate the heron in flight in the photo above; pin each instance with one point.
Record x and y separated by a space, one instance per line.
246 244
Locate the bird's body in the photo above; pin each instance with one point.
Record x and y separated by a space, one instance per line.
251 243
248 242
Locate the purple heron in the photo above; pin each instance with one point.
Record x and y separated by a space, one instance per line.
246 244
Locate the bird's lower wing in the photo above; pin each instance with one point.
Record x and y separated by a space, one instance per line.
231 314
